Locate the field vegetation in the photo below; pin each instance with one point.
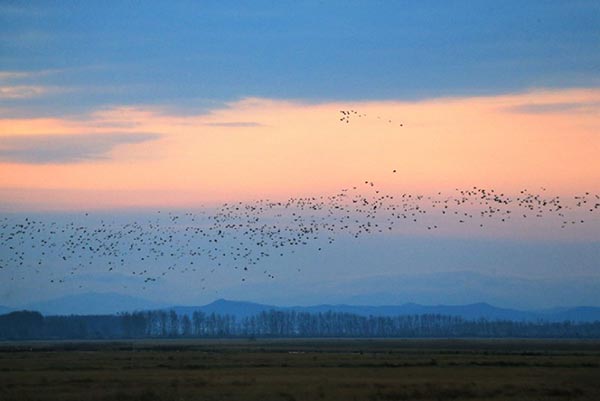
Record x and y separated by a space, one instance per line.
301 369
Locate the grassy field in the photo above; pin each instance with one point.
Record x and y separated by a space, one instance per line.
301 370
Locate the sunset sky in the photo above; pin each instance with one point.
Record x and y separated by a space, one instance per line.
141 106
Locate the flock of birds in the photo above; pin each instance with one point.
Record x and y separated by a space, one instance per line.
347 115
240 236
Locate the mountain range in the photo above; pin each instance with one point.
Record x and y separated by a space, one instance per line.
91 303
111 303
242 309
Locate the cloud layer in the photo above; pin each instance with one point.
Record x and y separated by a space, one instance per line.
257 148
235 124
70 148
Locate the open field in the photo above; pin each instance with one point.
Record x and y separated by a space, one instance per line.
301 370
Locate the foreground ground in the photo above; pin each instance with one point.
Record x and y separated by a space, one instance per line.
301 370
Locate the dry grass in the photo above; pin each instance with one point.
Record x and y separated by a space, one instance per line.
301 370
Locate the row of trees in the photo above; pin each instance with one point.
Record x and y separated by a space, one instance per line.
168 324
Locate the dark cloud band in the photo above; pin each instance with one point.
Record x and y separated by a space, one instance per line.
549 108
235 124
70 148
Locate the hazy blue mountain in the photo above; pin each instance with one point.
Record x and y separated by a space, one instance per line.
433 288
242 309
110 303
472 311
467 287
5 309
578 314
92 304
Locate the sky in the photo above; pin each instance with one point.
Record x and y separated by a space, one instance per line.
123 110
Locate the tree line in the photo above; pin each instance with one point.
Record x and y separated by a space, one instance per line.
28 325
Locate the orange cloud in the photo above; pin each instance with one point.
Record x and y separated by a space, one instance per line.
263 147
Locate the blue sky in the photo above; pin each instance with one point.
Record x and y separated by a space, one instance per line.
377 269
193 55
152 100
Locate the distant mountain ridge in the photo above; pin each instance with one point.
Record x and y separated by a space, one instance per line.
112 303
5 309
92 303
242 309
